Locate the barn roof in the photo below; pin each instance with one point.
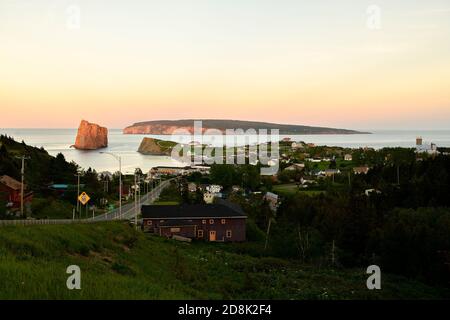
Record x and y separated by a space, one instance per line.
191 211
10 182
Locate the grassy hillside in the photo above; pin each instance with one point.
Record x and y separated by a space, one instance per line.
118 262
40 167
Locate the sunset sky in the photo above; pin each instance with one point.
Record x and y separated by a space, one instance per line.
301 62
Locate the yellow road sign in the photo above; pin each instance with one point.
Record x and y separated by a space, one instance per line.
84 198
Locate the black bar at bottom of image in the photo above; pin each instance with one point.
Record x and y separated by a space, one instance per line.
212 309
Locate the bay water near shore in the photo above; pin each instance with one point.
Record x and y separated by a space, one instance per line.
126 145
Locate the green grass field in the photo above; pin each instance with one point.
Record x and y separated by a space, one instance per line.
118 262
291 189
166 203
166 145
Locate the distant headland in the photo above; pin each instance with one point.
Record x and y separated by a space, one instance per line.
164 127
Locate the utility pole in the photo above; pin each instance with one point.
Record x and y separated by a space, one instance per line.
120 187
398 174
136 198
135 193
78 192
138 201
139 181
267 234
22 173
118 158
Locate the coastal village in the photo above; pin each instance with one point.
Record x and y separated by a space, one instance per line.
229 158
232 159
325 208
189 208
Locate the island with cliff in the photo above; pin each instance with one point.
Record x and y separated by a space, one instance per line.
150 146
167 127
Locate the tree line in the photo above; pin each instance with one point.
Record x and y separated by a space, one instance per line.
403 225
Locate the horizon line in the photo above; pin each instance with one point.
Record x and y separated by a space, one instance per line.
356 129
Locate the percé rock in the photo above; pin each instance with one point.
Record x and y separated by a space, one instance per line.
167 127
150 146
91 136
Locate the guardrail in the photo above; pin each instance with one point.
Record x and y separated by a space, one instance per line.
43 221
26 222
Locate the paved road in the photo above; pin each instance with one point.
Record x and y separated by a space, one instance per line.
128 210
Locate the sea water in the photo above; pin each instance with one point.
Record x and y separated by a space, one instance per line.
60 140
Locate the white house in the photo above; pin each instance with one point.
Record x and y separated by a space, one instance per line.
296 166
313 160
330 172
192 187
236 188
305 182
369 191
272 198
425 148
214 188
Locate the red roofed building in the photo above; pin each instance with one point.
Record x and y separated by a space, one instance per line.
222 222
10 188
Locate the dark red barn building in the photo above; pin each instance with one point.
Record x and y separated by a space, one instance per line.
209 222
10 189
